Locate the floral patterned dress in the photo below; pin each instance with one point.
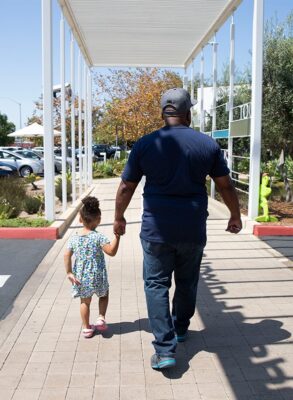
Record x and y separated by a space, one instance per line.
89 266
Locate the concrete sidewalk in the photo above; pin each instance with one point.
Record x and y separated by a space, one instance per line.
240 344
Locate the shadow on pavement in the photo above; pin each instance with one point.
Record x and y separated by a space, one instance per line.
240 346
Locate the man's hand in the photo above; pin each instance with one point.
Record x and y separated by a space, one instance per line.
119 226
234 225
73 279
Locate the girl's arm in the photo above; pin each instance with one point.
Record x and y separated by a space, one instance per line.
68 267
112 248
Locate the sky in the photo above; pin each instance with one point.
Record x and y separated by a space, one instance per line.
20 49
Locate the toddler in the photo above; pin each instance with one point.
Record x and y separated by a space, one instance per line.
88 275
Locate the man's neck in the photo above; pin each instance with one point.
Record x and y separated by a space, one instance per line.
174 121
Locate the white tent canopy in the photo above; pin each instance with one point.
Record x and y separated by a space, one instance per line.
33 130
146 32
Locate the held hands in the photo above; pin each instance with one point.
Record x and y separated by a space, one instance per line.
119 226
234 225
73 279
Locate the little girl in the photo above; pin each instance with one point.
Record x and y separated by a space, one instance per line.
89 275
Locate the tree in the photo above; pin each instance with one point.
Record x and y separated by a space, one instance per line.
130 102
278 87
6 127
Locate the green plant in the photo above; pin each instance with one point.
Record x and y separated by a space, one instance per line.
109 168
32 204
24 222
13 191
5 209
58 186
32 178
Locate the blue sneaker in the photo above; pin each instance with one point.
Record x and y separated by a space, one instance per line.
159 362
181 338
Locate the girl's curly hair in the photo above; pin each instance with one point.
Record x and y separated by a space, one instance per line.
90 209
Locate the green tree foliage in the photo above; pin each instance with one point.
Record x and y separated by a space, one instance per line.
278 87
6 127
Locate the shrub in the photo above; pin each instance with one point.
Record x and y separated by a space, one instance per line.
32 178
109 168
32 205
58 187
6 210
24 222
13 191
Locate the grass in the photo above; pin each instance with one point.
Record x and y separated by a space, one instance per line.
24 223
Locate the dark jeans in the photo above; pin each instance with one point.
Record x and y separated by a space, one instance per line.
159 262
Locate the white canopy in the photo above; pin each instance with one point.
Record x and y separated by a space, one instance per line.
144 32
33 130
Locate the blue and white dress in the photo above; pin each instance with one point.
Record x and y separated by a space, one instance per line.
89 266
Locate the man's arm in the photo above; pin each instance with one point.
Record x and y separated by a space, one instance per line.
123 197
229 195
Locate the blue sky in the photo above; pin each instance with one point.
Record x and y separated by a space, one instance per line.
20 47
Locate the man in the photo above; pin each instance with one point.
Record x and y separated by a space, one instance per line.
175 161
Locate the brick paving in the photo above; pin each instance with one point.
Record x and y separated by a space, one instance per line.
240 343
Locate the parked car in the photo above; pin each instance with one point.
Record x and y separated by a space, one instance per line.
7 170
36 156
11 148
103 148
25 166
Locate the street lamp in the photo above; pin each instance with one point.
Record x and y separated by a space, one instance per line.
19 105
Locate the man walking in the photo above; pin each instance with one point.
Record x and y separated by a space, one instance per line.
175 161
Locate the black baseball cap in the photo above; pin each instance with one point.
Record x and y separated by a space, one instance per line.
178 99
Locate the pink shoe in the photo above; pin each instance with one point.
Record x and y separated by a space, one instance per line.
88 333
101 325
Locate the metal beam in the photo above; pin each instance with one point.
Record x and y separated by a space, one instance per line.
231 89
72 79
85 125
231 6
214 111
256 108
80 168
202 116
90 134
63 123
47 72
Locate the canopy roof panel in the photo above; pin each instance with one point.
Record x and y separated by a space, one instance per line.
144 32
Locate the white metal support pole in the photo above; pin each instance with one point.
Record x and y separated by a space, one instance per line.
90 132
63 123
214 112
202 116
80 124
231 89
185 80
192 91
47 69
85 110
192 80
256 108
72 79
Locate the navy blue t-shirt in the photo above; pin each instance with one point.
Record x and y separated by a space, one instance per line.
175 161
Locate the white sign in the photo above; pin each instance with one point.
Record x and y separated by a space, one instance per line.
3 279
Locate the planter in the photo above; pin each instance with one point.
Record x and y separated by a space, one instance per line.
272 230
55 231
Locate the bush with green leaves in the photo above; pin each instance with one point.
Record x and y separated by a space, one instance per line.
58 186
13 191
6 210
24 222
32 178
32 205
108 169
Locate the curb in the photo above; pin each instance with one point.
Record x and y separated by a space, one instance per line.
272 230
52 232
